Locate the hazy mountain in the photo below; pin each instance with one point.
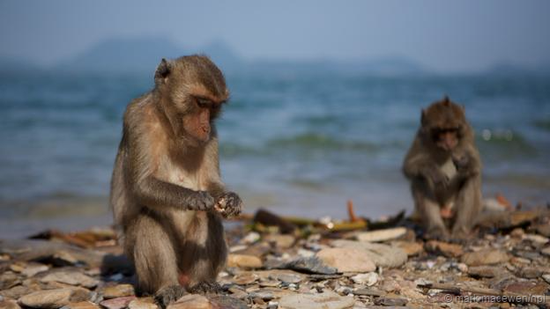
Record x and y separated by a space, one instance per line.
142 54
511 69
14 64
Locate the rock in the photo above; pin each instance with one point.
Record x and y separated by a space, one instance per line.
119 290
546 278
250 238
484 271
8 280
529 272
382 255
381 235
536 238
143 303
70 277
347 259
81 305
33 269
243 261
280 241
446 249
16 292
283 275
543 229
262 294
54 298
238 292
245 278
226 302
545 251
325 300
9 304
369 292
308 265
390 301
192 301
411 248
368 279
117 303
485 257
526 288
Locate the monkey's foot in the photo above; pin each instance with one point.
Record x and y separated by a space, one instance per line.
437 234
206 287
169 294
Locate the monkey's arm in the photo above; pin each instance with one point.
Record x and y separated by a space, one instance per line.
418 164
141 162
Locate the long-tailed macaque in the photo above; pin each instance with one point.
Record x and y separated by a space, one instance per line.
444 168
166 193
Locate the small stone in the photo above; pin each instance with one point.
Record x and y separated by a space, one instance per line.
54 298
243 261
368 279
285 276
546 278
70 277
347 259
227 302
143 303
8 280
382 255
369 292
462 267
81 305
16 267
117 303
529 272
238 293
192 301
543 229
32 269
245 278
446 249
484 271
119 290
411 248
536 238
262 294
485 257
390 301
282 241
381 235
545 251
311 265
527 288
325 300
250 238
16 292
517 233
9 304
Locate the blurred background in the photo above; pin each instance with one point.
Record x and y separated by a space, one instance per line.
326 98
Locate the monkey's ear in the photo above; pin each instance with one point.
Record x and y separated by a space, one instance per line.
162 72
423 117
446 100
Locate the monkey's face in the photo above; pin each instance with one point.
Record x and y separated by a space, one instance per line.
444 123
198 120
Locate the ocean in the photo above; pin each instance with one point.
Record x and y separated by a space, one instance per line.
296 143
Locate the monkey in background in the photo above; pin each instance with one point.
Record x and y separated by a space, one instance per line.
444 168
166 193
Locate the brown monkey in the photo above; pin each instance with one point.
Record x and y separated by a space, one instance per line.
166 192
444 168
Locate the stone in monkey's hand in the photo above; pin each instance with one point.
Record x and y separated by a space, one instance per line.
229 205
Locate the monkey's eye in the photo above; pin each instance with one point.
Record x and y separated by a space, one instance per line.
204 103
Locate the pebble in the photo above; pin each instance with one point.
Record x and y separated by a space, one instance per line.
381 235
9 304
546 278
484 271
382 255
243 261
54 298
411 248
310 265
33 269
282 241
447 249
70 277
143 303
117 303
347 259
325 300
368 279
81 305
390 301
192 301
485 257
119 290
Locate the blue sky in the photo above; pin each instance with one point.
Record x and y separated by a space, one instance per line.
442 35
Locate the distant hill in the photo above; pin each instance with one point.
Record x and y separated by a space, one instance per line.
510 69
142 54
14 64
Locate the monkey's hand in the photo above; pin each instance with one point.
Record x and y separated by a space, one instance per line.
201 200
463 164
229 205
434 175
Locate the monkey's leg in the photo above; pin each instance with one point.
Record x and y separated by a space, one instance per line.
468 206
431 214
155 260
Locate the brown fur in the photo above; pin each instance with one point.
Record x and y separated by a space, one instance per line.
444 168
166 180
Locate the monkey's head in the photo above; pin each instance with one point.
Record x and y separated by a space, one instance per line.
444 125
191 91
